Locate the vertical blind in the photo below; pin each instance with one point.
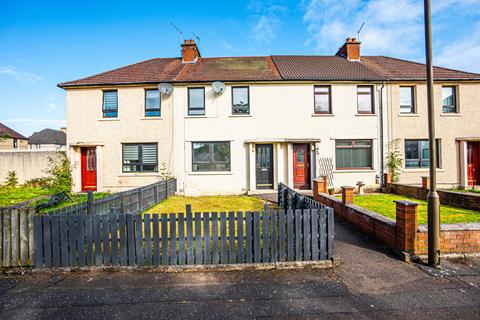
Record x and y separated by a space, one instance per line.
110 104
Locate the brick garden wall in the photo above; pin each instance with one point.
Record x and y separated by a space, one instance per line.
466 200
403 234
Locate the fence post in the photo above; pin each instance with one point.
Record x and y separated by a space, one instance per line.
188 208
122 209
166 189
406 225
90 203
140 199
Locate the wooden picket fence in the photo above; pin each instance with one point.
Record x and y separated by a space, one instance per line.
16 237
183 239
130 201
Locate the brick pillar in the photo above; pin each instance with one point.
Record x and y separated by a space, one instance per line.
320 185
387 178
347 195
426 183
406 225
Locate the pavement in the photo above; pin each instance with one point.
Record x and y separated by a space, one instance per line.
370 283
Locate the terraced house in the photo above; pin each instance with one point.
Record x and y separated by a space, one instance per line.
235 125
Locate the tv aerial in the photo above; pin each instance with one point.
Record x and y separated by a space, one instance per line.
360 30
178 30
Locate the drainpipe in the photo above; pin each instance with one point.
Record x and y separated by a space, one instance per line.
382 158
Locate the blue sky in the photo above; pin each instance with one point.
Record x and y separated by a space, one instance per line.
46 42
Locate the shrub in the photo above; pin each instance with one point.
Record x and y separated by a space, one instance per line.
394 160
164 172
12 180
58 173
37 183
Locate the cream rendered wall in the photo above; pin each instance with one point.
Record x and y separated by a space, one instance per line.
88 128
448 127
277 111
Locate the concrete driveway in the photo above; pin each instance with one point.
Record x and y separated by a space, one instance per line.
370 283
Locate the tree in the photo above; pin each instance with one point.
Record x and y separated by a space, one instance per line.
12 179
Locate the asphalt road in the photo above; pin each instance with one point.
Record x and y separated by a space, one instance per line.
370 284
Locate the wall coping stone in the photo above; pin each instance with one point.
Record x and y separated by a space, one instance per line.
407 203
372 214
453 227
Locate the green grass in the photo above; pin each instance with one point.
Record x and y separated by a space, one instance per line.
11 196
208 204
76 198
384 205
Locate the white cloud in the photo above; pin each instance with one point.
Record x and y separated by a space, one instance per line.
266 20
395 28
21 76
51 102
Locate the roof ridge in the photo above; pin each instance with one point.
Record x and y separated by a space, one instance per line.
423 64
116 69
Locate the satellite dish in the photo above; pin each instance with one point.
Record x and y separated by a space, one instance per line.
218 87
165 88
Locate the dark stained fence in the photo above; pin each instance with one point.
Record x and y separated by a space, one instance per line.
291 199
183 239
130 201
16 237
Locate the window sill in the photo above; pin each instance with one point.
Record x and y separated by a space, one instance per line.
365 115
151 118
450 114
409 115
323 115
193 117
109 119
139 174
420 170
353 170
240 115
209 173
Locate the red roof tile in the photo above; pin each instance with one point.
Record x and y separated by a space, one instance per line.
323 68
230 69
397 69
269 68
149 71
10 133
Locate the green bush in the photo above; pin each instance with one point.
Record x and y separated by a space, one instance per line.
12 180
58 173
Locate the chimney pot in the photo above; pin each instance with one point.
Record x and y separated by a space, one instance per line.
354 40
185 41
348 39
191 41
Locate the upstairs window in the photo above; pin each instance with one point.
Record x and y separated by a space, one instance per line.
196 101
353 154
140 157
152 103
417 154
211 156
110 104
407 104
240 100
15 143
365 103
322 99
449 99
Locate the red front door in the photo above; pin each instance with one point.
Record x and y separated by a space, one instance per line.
301 166
473 163
89 169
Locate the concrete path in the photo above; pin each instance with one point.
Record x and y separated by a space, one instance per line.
369 284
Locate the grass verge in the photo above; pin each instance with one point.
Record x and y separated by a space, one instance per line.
384 205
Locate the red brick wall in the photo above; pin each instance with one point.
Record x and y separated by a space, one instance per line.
465 240
458 199
404 234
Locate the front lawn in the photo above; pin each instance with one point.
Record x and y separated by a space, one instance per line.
384 205
177 204
13 195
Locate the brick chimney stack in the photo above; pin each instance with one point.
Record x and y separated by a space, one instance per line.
350 50
190 52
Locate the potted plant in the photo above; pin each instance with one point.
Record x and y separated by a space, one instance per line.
331 191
